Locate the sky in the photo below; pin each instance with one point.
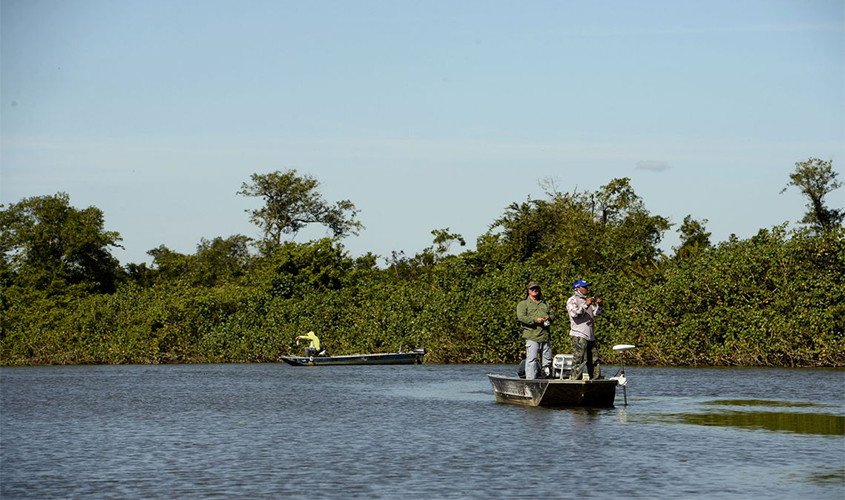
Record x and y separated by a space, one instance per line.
425 115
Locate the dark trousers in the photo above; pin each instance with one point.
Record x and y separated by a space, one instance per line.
585 353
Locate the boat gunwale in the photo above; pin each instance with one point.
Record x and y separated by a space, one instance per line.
600 381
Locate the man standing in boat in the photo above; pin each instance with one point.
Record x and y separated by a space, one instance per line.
536 316
583 311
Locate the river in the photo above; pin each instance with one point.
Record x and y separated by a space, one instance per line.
427 431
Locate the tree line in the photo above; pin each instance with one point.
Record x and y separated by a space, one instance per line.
774 299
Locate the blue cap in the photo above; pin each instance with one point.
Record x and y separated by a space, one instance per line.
579 283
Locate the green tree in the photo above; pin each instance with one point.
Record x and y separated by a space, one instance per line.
403 266
519 231
168 264
443 240
299 269
222 258
291 202
49 245
816 178
216 261
626 233
616 201
608 229
694 237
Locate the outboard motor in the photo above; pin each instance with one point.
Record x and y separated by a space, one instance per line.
420 352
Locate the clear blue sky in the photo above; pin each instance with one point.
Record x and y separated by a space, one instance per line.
425 115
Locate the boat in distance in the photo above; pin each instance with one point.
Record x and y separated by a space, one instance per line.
414 357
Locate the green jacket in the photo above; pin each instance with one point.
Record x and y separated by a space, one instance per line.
527 313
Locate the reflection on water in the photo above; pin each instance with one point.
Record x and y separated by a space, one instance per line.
802 423
760 402
722 414
831 478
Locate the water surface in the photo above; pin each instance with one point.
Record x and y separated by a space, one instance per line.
429 431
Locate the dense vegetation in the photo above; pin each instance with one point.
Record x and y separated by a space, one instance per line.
775 299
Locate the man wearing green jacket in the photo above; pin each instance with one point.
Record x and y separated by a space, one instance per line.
535 316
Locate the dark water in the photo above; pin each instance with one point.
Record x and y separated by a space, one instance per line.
430 431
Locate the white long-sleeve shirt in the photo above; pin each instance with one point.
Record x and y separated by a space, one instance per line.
582 316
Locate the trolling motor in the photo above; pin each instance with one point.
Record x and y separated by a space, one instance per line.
620 375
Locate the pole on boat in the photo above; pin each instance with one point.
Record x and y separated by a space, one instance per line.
620 377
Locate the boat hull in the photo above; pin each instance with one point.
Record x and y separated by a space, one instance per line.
390 358
554 393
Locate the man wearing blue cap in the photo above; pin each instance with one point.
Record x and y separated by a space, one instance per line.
583 311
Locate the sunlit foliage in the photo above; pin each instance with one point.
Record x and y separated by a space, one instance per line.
775 299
